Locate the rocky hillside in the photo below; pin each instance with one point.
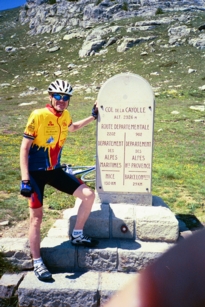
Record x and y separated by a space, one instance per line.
50 16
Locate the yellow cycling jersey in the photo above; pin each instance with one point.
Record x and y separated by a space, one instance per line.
48 130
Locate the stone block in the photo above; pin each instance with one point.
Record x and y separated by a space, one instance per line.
129 198
59 229
156 224
122 221
97 224
17 251
58 253
135 256
9 284
104 257
67 289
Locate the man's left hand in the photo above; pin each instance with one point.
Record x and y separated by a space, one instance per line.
26 189
95 111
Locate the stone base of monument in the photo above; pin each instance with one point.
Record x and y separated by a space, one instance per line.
128 221
130 237
113 255
90 289
144 199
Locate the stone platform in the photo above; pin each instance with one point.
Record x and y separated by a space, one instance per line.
88 277
124 221
82 277
110 255
90 289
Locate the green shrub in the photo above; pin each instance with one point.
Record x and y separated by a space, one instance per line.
51 2
159 11
125 6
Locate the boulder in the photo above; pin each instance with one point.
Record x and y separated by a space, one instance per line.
90 46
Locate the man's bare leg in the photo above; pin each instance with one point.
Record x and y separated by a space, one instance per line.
87 197
34 231
40 269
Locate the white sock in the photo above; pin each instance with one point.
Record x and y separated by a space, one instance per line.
37 261
77 232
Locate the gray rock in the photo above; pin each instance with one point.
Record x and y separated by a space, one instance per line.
90 46
9 284
191 70
4 223
148 23
32 88
115 28
179 31
58 73
177 34
5 84
27 103
17 251
111 41
10 49
71 66
129 42
202 88
53 49
198 108
78 34
97 33
198 42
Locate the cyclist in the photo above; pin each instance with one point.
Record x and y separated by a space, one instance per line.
40 154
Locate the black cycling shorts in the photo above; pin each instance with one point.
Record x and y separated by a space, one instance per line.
56 178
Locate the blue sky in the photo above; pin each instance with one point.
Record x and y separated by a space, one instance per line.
9 4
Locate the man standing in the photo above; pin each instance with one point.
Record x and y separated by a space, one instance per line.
40 154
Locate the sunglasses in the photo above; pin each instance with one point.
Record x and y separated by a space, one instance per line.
59 97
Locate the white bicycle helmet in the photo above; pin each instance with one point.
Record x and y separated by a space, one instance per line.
61 87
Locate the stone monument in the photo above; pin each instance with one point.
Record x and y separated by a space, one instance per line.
124 162
125 140
124 205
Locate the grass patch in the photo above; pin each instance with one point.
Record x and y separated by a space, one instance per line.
6 266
